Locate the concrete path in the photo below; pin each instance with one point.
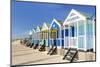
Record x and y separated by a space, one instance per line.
22 55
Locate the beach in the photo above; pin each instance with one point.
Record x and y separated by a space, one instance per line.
22 55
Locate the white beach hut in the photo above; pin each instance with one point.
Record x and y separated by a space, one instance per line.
45 35
30 34
37 35
79 32
33 35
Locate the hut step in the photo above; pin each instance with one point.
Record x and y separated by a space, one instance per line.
71 55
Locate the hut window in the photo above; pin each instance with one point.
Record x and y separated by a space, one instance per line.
62 33
66 32
73 31
57 34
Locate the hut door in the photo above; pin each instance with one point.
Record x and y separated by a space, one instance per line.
72 37
54 37
66 40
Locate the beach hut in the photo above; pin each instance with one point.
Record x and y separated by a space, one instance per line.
33 33
45 35
55 35
37 37
33 37
29 40
30 34
79 33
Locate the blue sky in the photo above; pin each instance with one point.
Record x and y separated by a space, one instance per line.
28 15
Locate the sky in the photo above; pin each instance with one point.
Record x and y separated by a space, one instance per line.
27 15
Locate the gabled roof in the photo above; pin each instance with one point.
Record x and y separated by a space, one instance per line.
85 14
45 26
57 22
48 25
74 13
60 22
34 30
37 29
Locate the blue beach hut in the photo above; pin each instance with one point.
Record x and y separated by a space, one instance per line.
55 32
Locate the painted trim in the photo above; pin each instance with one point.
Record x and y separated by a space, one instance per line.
38 29
60 39
93 35
54 20
77 35
76 12
33 30
85 38
44 27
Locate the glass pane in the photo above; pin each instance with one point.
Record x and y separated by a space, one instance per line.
62 42
62 33
66 32
73 31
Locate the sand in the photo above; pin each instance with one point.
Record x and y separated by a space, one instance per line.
22 55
